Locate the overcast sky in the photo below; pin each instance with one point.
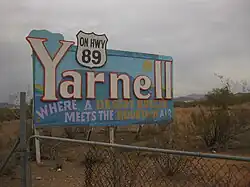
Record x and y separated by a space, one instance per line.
203 36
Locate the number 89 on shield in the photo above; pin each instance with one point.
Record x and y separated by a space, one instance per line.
93 56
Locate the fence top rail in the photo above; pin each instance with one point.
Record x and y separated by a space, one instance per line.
146 149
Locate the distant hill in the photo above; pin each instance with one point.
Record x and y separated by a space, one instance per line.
3 105
191 97
196 97
6 105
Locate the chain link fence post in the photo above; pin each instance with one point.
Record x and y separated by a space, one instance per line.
23 141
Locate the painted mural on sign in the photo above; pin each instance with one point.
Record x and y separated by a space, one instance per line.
82 82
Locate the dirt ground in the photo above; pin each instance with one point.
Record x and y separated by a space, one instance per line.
73 157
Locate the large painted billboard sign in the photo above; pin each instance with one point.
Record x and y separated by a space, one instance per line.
88 84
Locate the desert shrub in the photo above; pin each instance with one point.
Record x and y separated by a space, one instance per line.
72 132
69 132
215 128
92 158
219 124
149 130
169 139
220 97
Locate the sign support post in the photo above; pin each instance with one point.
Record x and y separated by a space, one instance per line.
23 141
89 133
112 134
37 147
114 160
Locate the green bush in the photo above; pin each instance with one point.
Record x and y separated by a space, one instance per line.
219 124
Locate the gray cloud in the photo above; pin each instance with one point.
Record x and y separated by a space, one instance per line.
203 36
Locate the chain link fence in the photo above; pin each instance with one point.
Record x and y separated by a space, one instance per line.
71 162
81 163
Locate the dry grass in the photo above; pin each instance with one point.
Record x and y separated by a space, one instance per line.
73 172
8 130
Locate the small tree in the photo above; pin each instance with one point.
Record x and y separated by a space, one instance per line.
219 124
220 97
